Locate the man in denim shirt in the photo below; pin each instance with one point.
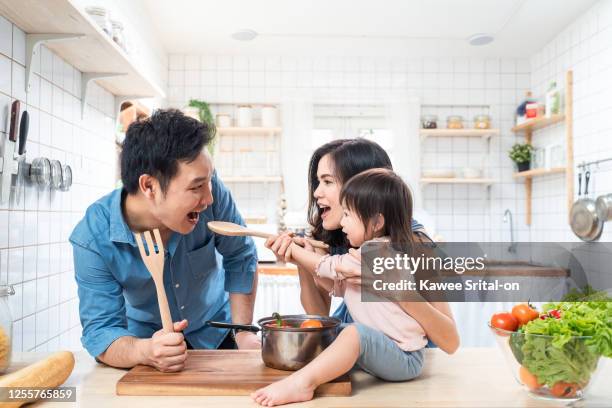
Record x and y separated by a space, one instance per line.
169 183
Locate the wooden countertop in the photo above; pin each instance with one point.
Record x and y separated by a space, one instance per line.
277 268
472 377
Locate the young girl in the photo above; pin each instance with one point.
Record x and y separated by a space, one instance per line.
384 341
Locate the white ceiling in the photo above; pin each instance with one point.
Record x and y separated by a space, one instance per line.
360 27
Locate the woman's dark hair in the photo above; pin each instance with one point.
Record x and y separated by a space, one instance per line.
157 144
349 157
377 192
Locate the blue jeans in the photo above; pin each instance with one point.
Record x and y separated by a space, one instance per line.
343 314
381 357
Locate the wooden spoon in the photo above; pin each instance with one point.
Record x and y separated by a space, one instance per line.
235 230
154 262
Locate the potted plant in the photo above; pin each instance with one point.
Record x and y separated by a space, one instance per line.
521 155
205 117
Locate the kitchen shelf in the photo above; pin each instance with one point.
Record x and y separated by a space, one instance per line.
527 129
482 133
252 179
76 38
440 180
538 123
539 172
251 131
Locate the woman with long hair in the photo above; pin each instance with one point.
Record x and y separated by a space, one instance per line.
331 166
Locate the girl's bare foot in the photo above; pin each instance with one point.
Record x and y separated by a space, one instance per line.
285 391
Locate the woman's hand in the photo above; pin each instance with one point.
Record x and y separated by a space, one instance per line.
282 245
279 244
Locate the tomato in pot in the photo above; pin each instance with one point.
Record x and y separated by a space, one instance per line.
278 322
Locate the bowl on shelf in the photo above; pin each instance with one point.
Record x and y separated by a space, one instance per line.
546 369
471 173
438 173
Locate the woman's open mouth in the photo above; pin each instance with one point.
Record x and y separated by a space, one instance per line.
193 217
324 210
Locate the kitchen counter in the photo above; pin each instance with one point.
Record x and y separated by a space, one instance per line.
472 377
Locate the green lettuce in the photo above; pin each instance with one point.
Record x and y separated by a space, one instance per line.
565 356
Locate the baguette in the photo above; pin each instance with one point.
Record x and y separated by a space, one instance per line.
51 372
5 350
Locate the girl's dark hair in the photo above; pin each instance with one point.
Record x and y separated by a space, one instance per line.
349 157
157 144
381 191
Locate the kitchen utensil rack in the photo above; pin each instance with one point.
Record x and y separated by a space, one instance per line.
587 165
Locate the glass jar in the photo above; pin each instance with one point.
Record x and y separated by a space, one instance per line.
6 328
101 16
429 121
454 122
245 116
224 120
118 33
269 116
482 122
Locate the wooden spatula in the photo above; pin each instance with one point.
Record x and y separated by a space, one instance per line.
235 230
154 262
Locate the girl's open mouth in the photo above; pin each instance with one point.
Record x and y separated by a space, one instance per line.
193 217
324 211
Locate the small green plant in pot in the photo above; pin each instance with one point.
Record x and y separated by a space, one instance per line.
205 117
521 155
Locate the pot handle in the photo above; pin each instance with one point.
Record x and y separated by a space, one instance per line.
587 177
579 184
223 325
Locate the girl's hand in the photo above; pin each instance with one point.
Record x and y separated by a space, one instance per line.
350 273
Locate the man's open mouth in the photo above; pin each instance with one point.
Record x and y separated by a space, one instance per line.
193 217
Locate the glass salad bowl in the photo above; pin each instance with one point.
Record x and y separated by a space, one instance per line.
550 367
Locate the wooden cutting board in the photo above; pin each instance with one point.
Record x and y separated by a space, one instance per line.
216 372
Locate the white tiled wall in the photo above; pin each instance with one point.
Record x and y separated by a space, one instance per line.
35 256
461 212
586 48
34 253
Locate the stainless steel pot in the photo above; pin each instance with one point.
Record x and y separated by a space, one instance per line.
584 218
604 207
290 348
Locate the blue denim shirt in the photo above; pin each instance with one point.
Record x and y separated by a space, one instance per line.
117 295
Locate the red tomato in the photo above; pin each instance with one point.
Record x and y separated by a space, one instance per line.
564 390
504 321
524 313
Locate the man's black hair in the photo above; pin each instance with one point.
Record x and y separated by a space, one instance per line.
157 144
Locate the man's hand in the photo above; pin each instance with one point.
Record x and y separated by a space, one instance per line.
166 352
247 341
